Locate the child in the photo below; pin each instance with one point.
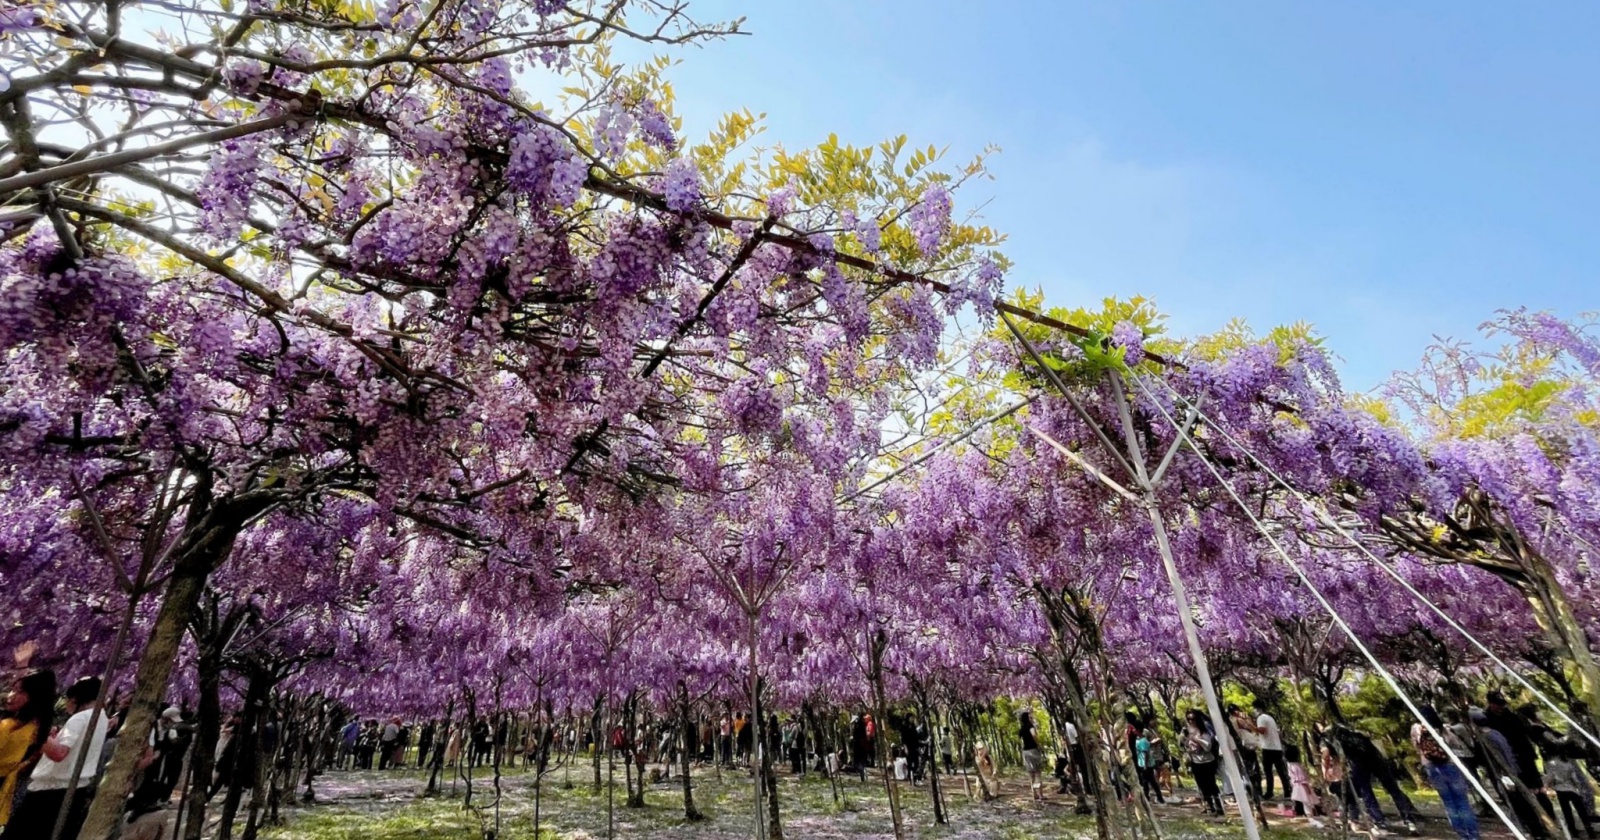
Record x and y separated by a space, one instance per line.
1333 774
1305 799
1144 762
1572 788
1161 760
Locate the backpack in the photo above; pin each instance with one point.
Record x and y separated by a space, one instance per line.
1430 749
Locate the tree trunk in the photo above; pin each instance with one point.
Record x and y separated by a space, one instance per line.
770 778
1554 613
596 728
1105 798
265 770
932 747
881 710
207 540
247 757
202 761
149 689
436 761
687 730
635 776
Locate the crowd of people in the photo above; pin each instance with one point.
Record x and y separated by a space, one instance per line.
1535 772
1541 776
53 747
55 743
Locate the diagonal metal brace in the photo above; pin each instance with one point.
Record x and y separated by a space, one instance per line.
1088 467
1083 413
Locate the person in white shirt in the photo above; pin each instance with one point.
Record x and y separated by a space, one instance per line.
1272 761
386 744
47 788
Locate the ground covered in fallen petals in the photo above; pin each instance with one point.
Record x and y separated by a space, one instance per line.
372 804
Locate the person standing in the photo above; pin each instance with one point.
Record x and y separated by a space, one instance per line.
173 737
347 744
47 793
1306 801
225 757
1444 775
402 744
774 734
1505 765
1332 773
1144 758
983 767
1080 763
794 742
1249 744
452 749
1162 756
1032 757
425 743
1573 791
482 741
1272 761
1519 735
947 750
386 744
858 743
741 736
915 741
1367 763
1201 751
23 732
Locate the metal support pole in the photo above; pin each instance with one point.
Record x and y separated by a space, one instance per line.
1134 462
1180 593
754 725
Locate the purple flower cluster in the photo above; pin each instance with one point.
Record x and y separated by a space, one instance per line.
930 218
66 313
474 352
1130 338
397 15
228 188
545 166
781 201
655 126
612 128
979 286
244 76
495 74
681 185
19 18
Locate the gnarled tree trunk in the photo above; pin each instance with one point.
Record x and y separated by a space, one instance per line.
687 732
206 542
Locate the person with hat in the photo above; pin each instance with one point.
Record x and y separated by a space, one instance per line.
173 736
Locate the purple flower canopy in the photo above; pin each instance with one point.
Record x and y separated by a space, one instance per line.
431 386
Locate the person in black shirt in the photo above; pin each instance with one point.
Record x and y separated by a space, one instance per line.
425 743
1032 757
1515 730
1519 736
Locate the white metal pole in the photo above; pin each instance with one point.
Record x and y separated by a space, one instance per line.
754 725
1180 593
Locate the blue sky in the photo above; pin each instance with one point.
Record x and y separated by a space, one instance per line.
1389 172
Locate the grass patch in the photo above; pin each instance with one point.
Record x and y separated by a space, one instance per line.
379 805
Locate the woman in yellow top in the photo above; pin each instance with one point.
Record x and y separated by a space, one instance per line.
29 711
